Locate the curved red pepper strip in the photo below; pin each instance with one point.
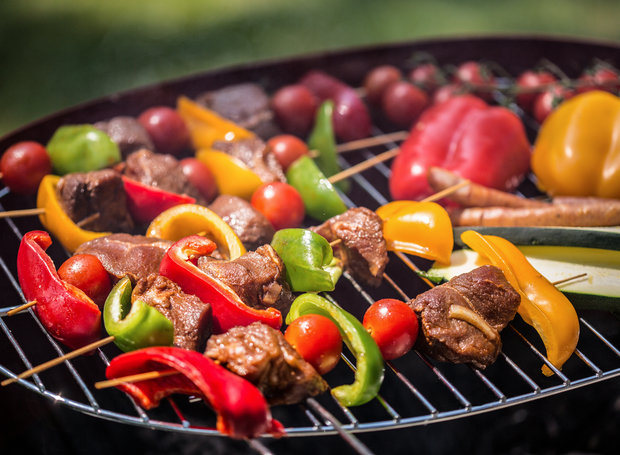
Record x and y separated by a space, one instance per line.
241 408
229 310
65 311
145 202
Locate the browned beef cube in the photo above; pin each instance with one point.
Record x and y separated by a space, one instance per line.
256 155
127 133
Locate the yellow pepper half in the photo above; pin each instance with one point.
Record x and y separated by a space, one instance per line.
232 176
542 306
189 219
56 221
419 228
206 127
577 151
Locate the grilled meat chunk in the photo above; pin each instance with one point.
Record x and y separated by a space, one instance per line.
251 226
127 133
190 316
95 200
123 254
261 355
256 155
160 171
245 104
257 278
460 320
363 250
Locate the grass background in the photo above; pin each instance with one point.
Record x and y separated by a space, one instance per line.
56 53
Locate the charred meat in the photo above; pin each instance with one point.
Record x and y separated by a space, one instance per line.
95 200
261 355
246 104
363 250
256 155
460 320
257 278
160 171
136 256
190 317
250 225
127 133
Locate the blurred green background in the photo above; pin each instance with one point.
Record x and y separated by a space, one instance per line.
56 53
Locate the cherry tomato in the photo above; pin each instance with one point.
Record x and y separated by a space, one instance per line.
476 75
166 128
23 166
379 79
448 91
547 101
287 149
317 339
280 203
294 107
427 76
393 325
201 177
599 78
403 103
527 83
85 272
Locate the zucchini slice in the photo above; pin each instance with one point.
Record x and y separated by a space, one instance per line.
599 290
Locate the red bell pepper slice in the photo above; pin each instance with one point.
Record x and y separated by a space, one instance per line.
67 313
179 265
145 202
241 408
487 145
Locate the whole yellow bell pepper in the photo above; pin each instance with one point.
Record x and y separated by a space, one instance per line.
577 151
189 219
422 229
542 306
56 221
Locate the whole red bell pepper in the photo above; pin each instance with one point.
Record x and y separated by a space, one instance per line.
179 265
145 202
484 144
241 408
67 313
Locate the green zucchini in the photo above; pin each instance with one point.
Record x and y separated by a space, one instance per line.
603 238
599 290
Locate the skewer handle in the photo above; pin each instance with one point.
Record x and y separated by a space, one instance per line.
20 213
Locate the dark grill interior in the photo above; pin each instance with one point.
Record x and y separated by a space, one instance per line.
416 390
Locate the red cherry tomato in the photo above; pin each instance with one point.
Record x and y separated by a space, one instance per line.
201 177
86 272
294 107
379 79
317 339
527 83
393 325
477 76
287 149
599 78
547 101
166 128
23 166
280 203
444 93
403 103
427 76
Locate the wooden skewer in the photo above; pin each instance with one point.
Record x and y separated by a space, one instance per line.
135 378
335 242
365 143
20 213
21 308
570 278
364 165
58 360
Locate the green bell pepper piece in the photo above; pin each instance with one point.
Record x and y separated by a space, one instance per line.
323 139
310 265
134 326
321 200
369 365
81 148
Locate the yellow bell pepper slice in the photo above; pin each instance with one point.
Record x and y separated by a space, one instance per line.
56 221
189 219
542 306
419 228
206 127
232 175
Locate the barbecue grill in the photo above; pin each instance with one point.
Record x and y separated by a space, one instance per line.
417 391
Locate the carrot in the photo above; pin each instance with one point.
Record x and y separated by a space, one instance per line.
572 215
475 195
